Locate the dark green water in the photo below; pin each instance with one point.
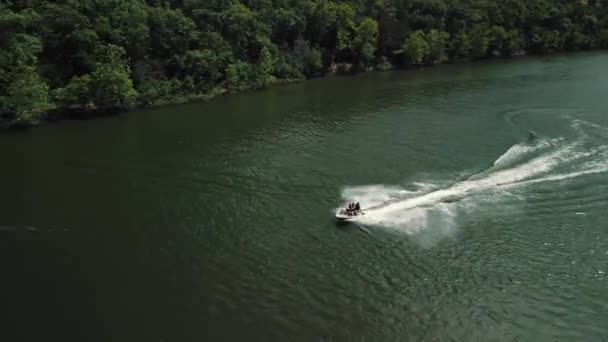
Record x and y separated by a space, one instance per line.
214 221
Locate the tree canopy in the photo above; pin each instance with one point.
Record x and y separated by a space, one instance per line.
85 56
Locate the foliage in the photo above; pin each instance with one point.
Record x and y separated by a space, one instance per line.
366 41
99 55
76 95
460 46
416 48
480 41
306 59
27 97
110 82
426 48
109 87
437 41
24 94
241 75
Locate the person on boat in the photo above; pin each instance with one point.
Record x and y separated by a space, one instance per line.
357 207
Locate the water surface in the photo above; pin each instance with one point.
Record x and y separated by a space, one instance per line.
486 185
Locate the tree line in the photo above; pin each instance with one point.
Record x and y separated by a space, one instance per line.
79 57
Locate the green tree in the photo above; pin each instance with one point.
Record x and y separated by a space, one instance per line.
109 87
27 97
345 29
69 42
513 42
171 32
110 82
480 41
546 40
306 59
266 68
242 27
460 46
366 41
416 49
18 48
437 41
240 76
24 94
76 95
123 23
497 35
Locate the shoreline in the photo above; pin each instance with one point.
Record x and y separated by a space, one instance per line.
59 115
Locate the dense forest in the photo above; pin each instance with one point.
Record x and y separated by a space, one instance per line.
78 57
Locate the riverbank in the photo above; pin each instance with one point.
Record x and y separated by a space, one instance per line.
335 70
65 59
79 113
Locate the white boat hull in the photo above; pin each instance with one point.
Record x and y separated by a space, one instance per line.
342 217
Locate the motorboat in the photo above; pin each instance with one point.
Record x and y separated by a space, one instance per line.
345 215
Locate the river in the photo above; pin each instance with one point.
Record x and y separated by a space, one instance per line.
485 183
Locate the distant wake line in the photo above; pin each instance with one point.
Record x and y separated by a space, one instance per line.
522 165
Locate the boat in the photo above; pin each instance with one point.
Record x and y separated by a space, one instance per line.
346 216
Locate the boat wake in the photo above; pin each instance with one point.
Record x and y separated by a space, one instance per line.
430 204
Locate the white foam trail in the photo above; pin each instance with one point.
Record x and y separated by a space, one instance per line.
519 151
411 211
519 173
563 176
512 154
375 195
